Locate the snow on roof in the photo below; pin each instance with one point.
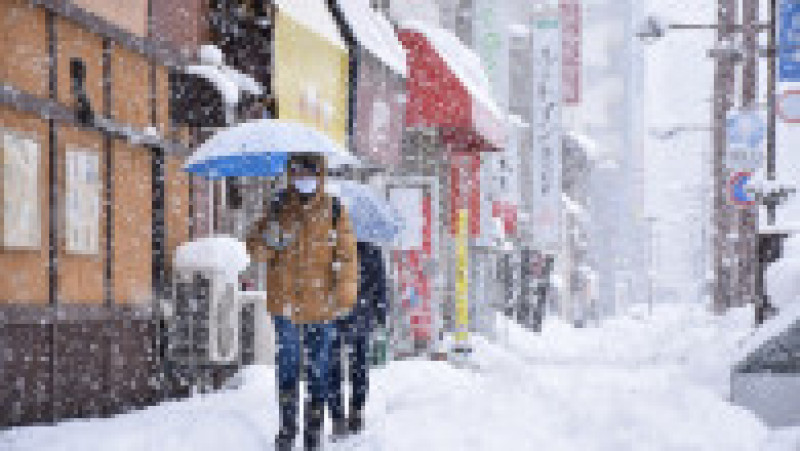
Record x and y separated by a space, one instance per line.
374 32
588 145
422 10
227 80
314 15
465 64
243 81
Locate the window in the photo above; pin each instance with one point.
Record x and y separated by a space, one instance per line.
83 202
21 209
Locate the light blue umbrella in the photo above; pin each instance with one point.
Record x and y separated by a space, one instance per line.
262 148
373 218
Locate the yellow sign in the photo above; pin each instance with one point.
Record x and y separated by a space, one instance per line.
311 78
462 278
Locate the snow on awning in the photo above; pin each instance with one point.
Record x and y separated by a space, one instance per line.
227 80
314 15
374 32
438 61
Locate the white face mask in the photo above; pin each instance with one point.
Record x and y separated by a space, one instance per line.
305 185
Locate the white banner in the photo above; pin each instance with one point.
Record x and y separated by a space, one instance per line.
490 40
547 130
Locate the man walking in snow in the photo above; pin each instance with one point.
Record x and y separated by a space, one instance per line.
354 330
308 244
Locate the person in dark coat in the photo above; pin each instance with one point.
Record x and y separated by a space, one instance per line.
354 330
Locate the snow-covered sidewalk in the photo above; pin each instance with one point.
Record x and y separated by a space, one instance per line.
634 384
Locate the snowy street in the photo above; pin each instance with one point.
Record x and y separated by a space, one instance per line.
634 384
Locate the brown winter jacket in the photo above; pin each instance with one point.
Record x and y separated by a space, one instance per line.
314 278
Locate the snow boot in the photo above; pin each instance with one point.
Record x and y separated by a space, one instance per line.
355 421
288 404
341 428
312 430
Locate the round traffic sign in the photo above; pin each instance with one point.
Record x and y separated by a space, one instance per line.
788 106
737 192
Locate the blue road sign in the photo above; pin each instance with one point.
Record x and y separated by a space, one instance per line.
746 129
746 132
789 40
738 192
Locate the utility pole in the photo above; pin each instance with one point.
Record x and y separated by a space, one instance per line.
723 213
747 248
770 243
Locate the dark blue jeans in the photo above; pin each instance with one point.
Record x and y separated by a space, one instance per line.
316 340
353 331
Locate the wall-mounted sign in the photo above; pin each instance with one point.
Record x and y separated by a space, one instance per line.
547 130
789 41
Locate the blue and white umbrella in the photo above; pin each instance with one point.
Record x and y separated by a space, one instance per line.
262 148
373 218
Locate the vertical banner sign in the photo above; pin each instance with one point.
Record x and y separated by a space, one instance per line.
789 40
546 152
462 280
491 42
571 43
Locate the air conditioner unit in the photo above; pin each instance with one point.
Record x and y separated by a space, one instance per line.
204 325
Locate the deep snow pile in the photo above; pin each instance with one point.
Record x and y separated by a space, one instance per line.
686 336
629 385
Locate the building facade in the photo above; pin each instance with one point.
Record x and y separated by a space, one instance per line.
94 203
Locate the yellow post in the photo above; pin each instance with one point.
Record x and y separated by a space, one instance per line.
462 282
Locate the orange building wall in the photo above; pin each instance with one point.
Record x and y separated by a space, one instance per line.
130 15
23 46
133 188
130 97
76 42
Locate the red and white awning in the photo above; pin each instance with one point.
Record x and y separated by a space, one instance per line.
448 89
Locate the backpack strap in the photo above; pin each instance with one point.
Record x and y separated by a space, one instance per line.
336 211
277 203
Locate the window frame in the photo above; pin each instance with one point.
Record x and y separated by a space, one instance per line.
32 194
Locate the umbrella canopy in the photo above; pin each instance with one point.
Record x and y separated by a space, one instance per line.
373 219
262 148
